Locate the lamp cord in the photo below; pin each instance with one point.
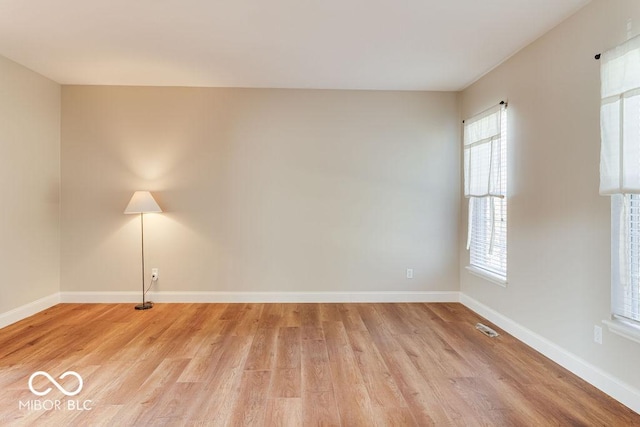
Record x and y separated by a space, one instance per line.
149 287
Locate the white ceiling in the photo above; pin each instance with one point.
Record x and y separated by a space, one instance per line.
328 44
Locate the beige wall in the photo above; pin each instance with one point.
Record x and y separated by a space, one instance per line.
30 176
559 227
263 189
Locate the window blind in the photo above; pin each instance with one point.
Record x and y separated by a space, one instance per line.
625 292
620 119
484 252
482 143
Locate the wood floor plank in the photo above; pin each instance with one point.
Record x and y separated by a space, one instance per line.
393 417
288 348
310 315
232 311
263 350
320 409
210 345
378 329
426 410
435 358
99 416
354 403
271 316
286 383
249 319
316 372
288 364
393 319
284 413
215 406
167 372
170 405
351 317
380 384
310 323
311 333
330 313
198 367
233 355
250 409
291 315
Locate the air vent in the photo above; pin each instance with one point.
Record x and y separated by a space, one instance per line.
486 330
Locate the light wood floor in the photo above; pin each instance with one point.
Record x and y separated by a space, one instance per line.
287 364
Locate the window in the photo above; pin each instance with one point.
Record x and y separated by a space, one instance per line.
620 179
485 151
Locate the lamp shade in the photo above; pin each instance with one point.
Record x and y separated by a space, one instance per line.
142 202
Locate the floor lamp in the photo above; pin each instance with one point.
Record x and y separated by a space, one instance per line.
142 202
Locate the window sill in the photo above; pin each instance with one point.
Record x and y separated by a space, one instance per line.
491 277
624 328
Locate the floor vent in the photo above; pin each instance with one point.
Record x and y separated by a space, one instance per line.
486 330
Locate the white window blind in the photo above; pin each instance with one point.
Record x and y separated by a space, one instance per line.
482 142
620 119
620 171
485 150
482 252
625 293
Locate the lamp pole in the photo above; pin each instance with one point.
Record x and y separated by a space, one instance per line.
145 304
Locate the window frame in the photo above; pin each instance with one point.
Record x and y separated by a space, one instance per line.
484 265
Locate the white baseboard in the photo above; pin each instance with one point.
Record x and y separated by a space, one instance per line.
210 297
100 297
24 311
614 387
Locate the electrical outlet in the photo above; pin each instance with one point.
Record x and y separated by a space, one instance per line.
409 273
154 274
597 334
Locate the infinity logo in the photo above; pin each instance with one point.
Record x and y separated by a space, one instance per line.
55 383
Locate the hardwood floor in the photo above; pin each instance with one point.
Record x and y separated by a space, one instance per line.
285 365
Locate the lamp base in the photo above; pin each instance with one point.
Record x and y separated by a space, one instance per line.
144 306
